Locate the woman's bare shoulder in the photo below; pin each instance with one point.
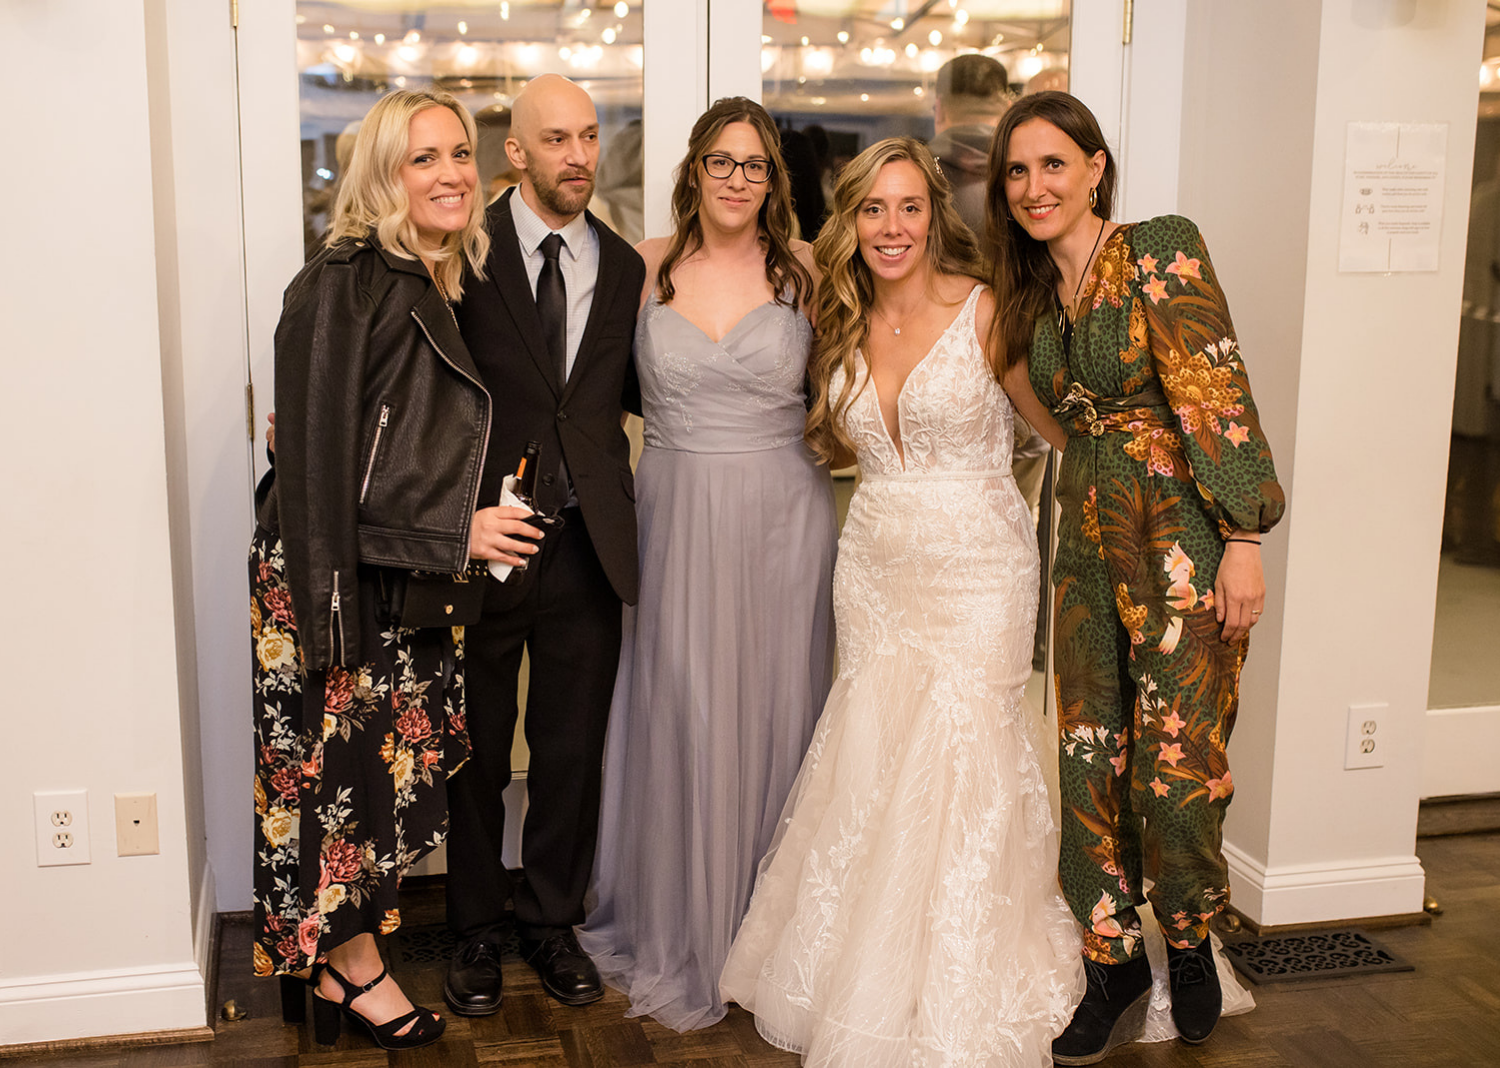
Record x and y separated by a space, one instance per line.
653 250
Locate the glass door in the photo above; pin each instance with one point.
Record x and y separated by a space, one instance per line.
1463 696
351 52
839 73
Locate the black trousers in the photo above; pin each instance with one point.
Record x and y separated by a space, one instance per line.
568 620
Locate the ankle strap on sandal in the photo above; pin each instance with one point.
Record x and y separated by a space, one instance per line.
350 988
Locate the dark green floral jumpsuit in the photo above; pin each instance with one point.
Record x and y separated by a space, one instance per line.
1165 459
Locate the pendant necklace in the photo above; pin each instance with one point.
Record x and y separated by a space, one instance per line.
1064 321
896 329
443 293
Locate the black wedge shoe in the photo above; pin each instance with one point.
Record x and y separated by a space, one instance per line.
1113 1012
1197 998
426 1027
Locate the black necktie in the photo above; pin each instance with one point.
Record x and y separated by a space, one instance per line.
552 306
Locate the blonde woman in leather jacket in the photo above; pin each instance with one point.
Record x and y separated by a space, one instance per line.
381 427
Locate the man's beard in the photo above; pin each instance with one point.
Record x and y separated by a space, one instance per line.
559 199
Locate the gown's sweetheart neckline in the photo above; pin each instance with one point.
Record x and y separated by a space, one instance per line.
901 393
720 341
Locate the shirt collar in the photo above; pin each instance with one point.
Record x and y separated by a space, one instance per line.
531 230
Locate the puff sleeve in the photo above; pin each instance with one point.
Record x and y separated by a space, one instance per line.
1197 359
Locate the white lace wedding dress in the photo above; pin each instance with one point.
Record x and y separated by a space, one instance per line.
908 911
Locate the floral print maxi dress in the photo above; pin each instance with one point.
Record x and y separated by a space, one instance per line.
351 769
1165 459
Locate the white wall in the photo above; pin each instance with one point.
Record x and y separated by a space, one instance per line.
92 697
1354 377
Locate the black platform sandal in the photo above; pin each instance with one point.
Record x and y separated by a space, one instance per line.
426 1026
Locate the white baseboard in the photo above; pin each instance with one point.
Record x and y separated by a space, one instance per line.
1324 893
1459 749
203 922
53 1008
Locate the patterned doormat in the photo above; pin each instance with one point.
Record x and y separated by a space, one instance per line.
1316 955
433 943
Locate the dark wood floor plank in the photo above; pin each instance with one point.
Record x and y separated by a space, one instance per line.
695 1047
620 1043
522 1051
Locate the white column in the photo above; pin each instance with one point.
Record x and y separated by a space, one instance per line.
675 38
1353 374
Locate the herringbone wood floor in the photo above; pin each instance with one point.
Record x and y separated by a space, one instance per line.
1445 1014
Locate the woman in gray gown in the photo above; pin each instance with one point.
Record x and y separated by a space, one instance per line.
727 658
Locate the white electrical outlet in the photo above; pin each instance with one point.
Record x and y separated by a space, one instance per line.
1364 742
135 825
62 827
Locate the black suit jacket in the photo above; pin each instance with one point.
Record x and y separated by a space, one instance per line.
581 423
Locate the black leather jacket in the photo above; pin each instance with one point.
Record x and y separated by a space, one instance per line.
382 423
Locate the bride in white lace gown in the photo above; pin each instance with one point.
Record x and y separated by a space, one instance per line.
908 912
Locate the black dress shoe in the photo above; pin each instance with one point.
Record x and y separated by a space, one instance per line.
565 969
473 984
1197 998
1113 1012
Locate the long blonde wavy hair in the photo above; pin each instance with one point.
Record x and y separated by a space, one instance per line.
372 196
846 294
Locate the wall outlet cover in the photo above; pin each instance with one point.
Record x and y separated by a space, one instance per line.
1365 740
62 827
135 825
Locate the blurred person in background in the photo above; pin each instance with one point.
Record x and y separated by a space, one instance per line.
972 92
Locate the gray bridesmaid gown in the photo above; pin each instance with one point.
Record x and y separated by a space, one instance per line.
726 660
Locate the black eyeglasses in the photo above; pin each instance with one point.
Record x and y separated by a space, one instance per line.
756 170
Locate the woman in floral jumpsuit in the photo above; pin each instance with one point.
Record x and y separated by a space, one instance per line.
1166 485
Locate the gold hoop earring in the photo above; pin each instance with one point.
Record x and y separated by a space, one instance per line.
1093 196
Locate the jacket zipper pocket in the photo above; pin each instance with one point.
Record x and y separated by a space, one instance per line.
335 625
385 417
